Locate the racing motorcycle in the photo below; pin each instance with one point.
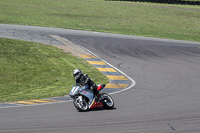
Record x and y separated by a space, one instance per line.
84 99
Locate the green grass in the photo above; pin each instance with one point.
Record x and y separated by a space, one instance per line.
105 16
33 71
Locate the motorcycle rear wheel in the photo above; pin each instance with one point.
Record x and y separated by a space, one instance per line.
107 101
80 105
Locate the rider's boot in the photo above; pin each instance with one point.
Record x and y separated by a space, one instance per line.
96 93
97 96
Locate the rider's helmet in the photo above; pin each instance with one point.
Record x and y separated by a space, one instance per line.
77 73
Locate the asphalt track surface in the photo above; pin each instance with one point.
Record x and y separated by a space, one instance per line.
166 98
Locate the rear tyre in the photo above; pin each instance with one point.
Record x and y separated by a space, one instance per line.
107 101
80 103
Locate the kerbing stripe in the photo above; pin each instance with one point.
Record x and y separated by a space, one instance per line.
97 62
107 69
87 56
29 102
24 102
112 73
92 59
114 77
102 66
118 86
117 80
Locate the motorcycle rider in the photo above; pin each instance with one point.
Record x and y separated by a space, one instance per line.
83 79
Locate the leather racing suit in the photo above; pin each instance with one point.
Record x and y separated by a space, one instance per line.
85 80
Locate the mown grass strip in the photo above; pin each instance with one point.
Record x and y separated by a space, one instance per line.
106 16
34 71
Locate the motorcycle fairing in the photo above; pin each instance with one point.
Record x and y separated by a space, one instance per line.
74 90
87 94
94 104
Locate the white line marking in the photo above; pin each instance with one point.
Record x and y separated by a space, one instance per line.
133 81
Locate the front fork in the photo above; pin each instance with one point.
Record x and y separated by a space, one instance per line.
80 98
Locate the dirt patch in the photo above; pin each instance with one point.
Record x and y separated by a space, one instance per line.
70 47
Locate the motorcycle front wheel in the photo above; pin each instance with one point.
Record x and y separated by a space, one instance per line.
80 103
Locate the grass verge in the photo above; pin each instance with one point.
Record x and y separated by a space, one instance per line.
106 16
33 71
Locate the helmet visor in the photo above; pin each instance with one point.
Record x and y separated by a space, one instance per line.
76 76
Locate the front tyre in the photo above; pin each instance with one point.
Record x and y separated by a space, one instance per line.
107 101
80 103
